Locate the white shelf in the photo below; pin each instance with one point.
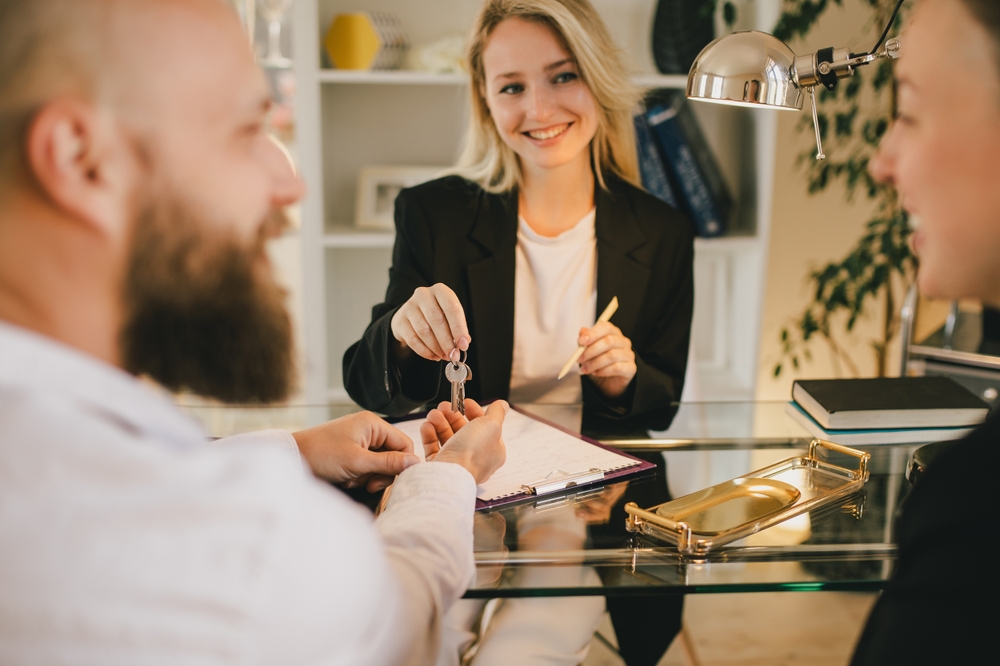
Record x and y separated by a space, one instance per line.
407 77
349 237
676 81
338 396
392 77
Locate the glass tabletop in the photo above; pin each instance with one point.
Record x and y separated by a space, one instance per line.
578 544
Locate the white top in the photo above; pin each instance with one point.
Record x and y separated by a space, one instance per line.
555 294
127 538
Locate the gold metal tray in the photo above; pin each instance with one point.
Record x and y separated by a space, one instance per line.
735 509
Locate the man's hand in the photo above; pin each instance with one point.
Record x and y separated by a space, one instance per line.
356 450
475 445
442 423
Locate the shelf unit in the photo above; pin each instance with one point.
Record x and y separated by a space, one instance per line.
350 119
403 77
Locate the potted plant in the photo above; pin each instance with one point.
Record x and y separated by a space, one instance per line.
877 270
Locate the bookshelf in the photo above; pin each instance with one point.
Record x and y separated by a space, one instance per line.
348 119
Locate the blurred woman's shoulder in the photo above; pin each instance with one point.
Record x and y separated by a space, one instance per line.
450 203
447 188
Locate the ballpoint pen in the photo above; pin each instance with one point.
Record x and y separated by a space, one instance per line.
605 316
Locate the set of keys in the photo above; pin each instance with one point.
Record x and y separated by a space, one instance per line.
457 372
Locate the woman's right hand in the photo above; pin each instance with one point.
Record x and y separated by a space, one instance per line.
432 324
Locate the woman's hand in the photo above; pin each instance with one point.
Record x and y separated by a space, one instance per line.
432 324
597 510
608 358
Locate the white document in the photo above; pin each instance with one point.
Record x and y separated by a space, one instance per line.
536 451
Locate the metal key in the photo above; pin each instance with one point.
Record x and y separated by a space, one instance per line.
457 373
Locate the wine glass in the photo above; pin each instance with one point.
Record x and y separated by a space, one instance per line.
273 11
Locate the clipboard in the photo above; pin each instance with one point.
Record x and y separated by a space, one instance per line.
565 479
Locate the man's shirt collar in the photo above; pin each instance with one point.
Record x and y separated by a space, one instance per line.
31 362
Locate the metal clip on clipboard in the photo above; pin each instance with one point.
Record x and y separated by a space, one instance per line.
550 485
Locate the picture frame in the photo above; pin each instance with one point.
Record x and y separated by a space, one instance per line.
378 187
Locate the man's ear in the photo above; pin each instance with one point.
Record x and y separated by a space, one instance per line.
75 154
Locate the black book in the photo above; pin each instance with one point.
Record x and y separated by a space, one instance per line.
694 172
889 402
651 166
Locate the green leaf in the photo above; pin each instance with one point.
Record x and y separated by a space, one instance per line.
729 14
777 370
853 86
883 75
797 22
808 325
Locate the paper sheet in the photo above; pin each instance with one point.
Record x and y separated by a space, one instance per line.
535 451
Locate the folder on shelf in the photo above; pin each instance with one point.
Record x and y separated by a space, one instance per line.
543 459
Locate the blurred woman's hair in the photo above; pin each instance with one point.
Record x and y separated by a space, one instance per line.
486 159
987 13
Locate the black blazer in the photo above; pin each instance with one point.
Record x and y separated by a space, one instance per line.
939 607
451 231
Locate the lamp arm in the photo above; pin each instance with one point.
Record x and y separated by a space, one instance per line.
892 50
809 74
820 155
827 66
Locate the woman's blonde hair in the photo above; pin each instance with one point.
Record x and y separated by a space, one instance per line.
486 159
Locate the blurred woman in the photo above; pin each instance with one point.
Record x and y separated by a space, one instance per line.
941 155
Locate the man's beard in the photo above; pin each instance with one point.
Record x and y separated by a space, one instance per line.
198 315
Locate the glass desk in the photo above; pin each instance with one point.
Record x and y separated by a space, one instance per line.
577 545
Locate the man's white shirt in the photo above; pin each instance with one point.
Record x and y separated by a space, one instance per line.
127 538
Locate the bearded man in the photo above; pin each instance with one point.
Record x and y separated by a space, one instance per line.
138 190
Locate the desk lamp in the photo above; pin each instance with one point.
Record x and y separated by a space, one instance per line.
755 69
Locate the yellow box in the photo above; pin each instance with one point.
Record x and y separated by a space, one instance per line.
366 40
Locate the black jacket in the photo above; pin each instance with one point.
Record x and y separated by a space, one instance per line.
451 231
940 606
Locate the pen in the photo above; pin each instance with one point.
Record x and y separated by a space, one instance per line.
605 316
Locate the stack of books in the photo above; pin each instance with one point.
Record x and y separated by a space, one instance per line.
678 166
896 410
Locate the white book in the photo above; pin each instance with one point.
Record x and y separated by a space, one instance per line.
875 435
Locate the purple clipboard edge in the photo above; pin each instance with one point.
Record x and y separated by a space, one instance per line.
483 505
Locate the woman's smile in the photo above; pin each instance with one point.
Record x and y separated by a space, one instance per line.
546 135
539 103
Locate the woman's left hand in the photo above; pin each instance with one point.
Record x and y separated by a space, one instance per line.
608 358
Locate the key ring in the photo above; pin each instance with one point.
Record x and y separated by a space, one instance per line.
461 358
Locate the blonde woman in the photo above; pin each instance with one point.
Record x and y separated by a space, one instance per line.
544 222
511 259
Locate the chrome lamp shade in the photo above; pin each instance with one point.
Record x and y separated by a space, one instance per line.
749 68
